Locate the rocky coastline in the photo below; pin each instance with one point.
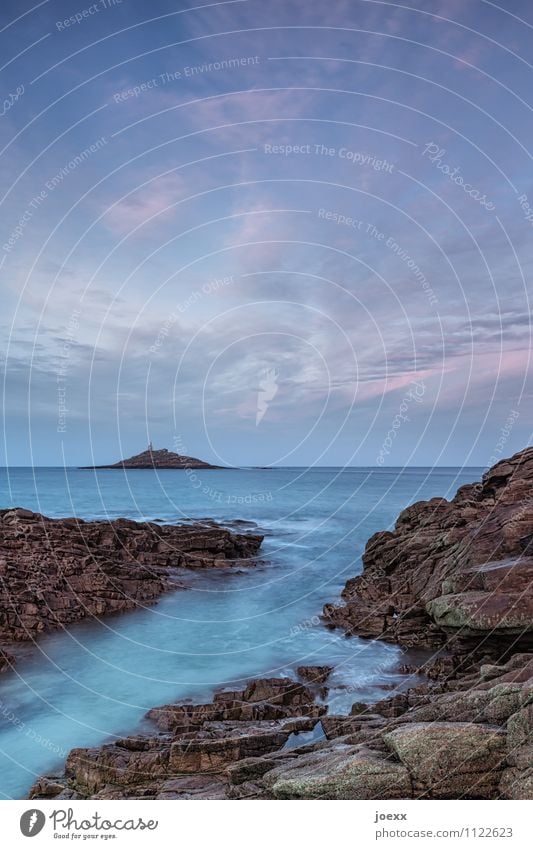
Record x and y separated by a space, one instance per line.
453 577
160 458
452 573
54 572
464 735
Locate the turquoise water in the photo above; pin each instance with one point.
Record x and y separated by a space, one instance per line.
97 679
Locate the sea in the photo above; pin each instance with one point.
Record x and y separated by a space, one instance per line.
94 681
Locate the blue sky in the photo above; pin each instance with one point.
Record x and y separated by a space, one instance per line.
319 211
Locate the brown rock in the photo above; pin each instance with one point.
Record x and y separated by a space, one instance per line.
264 699
57 571
220 744
458 568
7 661
314 674
450 760
203 739
339 772
339 726
451 575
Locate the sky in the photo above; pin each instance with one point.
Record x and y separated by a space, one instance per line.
286 233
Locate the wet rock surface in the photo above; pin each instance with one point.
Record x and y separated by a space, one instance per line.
314 674
198 742
460 737
6 661
57 571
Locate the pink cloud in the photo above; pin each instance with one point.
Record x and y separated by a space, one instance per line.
145 204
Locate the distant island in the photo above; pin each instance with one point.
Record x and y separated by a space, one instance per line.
157 459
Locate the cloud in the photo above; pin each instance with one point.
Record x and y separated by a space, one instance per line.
147 204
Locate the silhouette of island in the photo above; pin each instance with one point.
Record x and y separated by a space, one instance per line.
157 459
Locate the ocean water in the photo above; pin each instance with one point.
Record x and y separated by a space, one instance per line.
96 680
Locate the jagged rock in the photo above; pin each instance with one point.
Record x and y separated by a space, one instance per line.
48 787
517 783
476 761
57 571
493 705
283 691
471 741
219 744
450 760
263 700
336 725
392 706
460 567
200 739
314 674
90 770
181 787
517 779
442 667
340 772
359 707
183 718
489 671
250 770
477 612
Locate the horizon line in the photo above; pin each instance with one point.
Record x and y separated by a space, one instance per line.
245 468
